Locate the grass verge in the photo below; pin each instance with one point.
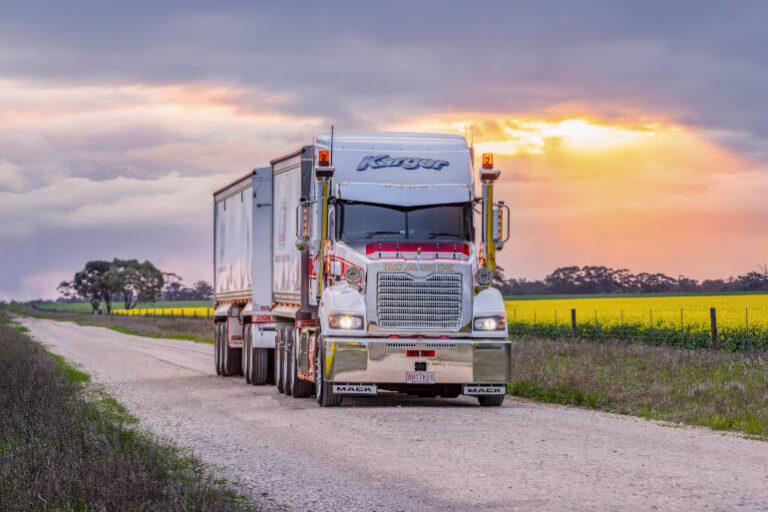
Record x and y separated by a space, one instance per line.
66 445
190 329
723 391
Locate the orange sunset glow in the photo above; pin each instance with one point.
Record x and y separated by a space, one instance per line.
637 193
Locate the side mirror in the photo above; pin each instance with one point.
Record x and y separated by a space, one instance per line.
303 225
500 228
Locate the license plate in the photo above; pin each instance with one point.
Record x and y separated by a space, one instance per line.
420 377
474 389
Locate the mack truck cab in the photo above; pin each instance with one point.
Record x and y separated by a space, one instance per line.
379 267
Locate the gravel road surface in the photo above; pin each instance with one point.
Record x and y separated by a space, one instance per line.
412 454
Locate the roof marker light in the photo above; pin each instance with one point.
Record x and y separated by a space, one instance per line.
324 160
487 160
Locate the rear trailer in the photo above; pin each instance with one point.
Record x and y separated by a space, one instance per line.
356 271
242 260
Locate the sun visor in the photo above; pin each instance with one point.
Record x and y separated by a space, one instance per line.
405 195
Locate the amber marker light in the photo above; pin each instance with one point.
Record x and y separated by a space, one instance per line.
487 160
323 159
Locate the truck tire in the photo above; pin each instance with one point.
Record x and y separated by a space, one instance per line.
323 391
301 388
259 365
279 379
287 363
258 362
217 348
271 366
247 358
491 400
230 358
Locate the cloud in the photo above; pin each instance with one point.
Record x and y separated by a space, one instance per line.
11 177
634 132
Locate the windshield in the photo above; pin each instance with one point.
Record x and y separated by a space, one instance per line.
370 221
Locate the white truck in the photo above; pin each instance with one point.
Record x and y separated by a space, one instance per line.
351 267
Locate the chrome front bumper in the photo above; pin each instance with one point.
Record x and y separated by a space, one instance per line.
387 361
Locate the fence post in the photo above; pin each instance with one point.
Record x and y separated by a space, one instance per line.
713 321
650 320
682 331
746 312
573 323
597 331
623 334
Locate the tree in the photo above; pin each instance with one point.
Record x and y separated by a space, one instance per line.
66 290
136 282
563 279
94 284
203 290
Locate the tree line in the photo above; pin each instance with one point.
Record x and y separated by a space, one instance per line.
129 282
592 279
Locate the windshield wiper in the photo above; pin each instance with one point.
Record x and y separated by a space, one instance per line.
435 235
371 234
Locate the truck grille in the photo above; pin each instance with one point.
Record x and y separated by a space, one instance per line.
404 302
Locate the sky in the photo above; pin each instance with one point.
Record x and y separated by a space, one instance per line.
629 134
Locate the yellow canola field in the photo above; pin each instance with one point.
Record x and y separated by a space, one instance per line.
687 312
181 312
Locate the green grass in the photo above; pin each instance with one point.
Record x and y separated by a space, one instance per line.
85 308
199 330
66 444
125 330
74 375
721 391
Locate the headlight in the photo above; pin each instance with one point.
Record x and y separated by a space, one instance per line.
341 321
484 276
490 323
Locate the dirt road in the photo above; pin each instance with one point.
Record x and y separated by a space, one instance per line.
412 454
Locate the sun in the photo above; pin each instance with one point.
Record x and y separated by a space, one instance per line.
534 137
531 136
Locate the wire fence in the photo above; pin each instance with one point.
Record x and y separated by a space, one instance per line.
685 329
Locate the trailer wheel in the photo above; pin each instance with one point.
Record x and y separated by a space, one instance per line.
287 363
230 358
279 378
217 348
491 400
323 391
271 366
301 388
259 366
247 359
258 363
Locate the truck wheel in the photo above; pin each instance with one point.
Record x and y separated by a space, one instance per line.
271 366
247 355
217 348
279 379
230 358
323 391
259 365
301 388
491 400
287 363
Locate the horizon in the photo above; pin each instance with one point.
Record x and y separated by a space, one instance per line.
628 136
